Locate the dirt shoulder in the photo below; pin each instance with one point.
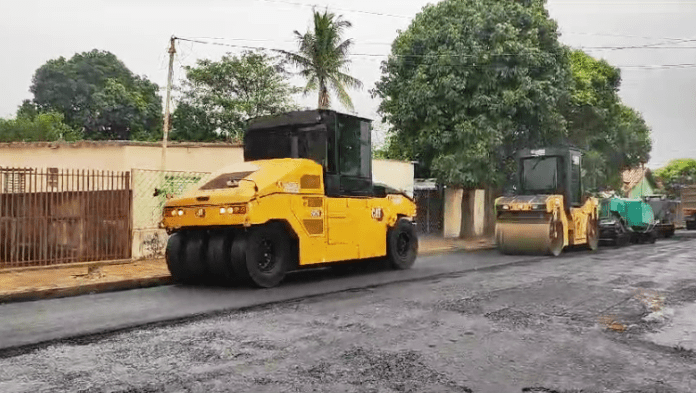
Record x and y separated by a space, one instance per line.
581 322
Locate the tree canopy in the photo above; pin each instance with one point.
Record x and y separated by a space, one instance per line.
36 127
323 59
96 92
677 173
614 136
471 81
218 97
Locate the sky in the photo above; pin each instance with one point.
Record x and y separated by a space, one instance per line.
138 31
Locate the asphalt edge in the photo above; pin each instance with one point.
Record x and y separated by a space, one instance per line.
111 286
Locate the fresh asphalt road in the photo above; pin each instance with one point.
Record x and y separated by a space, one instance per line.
37 322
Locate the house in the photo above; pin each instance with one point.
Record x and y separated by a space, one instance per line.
638 182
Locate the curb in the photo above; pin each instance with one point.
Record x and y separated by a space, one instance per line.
54 293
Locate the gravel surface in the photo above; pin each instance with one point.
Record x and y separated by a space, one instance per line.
578 323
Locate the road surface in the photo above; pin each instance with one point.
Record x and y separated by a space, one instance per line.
617 320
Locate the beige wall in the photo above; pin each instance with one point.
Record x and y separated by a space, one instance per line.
43 155
453 212
119 156
184 158
397 174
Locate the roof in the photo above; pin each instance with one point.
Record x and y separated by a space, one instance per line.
632 177
90 143
425 184
296 118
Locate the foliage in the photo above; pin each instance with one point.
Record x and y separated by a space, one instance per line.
677 173
470 82
45 127
220 96
323 59
614 136
96 92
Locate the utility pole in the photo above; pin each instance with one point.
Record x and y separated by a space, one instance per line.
165 133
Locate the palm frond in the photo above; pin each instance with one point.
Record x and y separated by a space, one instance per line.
342 94
349 80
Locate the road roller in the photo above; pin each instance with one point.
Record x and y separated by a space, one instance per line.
549 210
303 197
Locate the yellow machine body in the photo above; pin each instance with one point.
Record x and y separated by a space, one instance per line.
541 225
291 190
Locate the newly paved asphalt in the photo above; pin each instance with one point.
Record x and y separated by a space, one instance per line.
44 321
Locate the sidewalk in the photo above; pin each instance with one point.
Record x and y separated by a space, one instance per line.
80 279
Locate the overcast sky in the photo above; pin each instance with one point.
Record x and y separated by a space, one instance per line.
138 31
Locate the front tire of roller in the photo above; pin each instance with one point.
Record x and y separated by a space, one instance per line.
402 245
268 255
556 238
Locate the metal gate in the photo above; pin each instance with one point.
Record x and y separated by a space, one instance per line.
52 216
429 217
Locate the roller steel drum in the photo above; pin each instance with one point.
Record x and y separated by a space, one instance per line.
541 236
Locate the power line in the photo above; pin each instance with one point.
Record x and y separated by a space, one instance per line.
617 35
378 55
338 9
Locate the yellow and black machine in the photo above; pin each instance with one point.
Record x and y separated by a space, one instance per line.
303 197
549 210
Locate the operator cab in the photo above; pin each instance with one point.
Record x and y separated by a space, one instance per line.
551 171
339 142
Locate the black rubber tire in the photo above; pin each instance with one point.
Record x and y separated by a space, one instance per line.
669 233
219 257
195 256
402 245
174 255
238 249
690 225
592 234
652 236
268 255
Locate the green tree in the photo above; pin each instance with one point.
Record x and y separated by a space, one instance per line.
677 173
41 127
218 97
96 92
614 136
470 82
323 59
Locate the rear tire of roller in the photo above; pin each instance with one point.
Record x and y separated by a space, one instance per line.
219 263
195 256
174 255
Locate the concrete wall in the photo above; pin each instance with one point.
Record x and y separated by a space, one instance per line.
453 212
396 174
120 155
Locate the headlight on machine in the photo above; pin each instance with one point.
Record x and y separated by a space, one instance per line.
539 206
506 207
236 209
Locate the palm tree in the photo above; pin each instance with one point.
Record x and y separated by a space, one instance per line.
323 59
